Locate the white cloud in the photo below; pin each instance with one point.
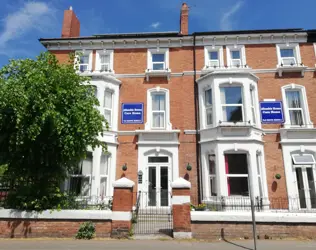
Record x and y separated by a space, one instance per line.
33 15
226 22
155 25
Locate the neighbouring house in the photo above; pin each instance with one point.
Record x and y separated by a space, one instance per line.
225 110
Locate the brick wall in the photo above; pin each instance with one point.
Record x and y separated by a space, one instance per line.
17 228
229 230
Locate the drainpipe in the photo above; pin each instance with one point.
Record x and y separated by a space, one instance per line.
197 122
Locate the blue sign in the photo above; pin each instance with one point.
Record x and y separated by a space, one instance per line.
132 113
271 112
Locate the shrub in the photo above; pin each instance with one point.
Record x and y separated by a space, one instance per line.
86 231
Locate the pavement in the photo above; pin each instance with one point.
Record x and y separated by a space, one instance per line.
63 244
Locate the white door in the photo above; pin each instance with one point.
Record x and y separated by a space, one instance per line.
305 179
158 182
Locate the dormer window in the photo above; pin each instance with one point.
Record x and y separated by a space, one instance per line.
232 103
83 61
236 56
104 60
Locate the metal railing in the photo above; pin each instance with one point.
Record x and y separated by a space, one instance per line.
274 204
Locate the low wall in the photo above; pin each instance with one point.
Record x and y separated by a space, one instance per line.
65 223
232 225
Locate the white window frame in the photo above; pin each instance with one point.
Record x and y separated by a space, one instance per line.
297 54
110 110
207 60
233 105
83 176
77 60
158 111
242 59
305 110
150 93
98 65
150 52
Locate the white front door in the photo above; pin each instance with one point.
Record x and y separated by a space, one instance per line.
158 182
305 179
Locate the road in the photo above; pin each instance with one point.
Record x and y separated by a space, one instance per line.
61 244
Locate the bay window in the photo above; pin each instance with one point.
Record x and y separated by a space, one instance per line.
158 110
231 103
212 175
237 174
209 107
80 178
108 105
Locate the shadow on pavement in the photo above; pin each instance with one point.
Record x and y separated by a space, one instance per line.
232 243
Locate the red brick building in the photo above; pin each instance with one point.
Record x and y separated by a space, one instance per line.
225 110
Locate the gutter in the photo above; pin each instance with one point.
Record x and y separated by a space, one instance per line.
197 122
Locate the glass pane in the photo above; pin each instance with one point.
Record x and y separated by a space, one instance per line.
236 62
287 52
237 163
293 99
212 167
213 186
95 91
158 159
158 66
311 185
164 186
289 61
104 164
232 114
214 63
108 116
105 67
105 58
108 99
238 186
83 67
103 184
235 54
296 117
152 195
158 120
84 59
208 97
300 187
75 185
303 159
209 116
158 57
85 186
231 95
86 167
213 55
158 102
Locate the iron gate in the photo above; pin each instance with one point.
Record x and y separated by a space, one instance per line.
153 216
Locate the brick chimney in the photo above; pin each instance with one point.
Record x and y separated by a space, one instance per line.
71 24
184 19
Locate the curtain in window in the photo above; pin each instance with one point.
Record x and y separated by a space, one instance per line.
295 107
104 165
227 172
158 108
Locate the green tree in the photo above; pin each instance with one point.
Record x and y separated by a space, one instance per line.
47 120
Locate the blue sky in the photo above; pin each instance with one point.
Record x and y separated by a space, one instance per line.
22 22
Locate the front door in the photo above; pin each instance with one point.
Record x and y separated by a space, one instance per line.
158 186
306 187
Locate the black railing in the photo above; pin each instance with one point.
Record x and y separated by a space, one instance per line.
11 191
231 203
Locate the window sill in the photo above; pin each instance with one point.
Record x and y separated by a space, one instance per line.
96 73
157 73
208 69
288 68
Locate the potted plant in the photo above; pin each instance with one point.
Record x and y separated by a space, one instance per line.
200 207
